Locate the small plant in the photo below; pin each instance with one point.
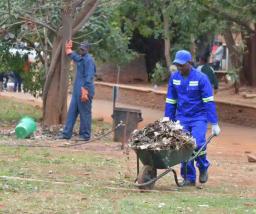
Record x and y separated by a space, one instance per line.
233 78
160 74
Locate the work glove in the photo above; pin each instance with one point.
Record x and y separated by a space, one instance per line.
68 47
84 95
165 119
215 129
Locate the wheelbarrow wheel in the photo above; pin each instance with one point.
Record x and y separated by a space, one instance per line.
146 174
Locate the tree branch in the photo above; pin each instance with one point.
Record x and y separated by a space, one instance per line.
76 4
218 12
55 55
84 15
9 7
16 23
39 23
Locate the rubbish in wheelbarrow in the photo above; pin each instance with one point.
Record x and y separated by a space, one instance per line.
161 136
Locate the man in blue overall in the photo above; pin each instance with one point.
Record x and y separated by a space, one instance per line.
190 100
83 92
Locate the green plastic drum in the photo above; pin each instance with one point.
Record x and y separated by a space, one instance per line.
25 127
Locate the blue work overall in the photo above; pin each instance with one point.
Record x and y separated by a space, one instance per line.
190 100
85 72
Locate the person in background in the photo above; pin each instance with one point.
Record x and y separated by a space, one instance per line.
27 64
213 50
217 57
190 100
83 92
1 82
208 70
17 74
17 81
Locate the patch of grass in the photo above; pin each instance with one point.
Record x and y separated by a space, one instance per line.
50 164
72 181
185 202
12 111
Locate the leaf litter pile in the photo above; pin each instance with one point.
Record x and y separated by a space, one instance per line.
160 135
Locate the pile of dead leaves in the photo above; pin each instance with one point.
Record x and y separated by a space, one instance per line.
161 136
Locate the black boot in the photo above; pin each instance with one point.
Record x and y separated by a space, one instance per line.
203 177
61 136
188 183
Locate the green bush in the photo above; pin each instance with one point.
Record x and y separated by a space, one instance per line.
160 74
33 80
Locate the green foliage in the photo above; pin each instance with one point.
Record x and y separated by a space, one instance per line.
33 80
10 62
4 52
113 24
104 31
160 74
233 76
187 21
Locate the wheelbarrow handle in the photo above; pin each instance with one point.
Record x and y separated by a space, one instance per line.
209 139
205 144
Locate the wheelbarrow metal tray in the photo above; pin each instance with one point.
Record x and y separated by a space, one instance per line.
163 159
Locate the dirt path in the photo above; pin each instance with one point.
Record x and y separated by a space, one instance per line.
101 108
228 152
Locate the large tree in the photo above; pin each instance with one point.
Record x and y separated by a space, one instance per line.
51 24
179 23
237 16
173 22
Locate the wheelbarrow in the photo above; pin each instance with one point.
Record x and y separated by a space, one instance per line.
162 159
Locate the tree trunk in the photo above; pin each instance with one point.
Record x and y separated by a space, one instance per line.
252 55
245 69
55 94
235 57
167 44
55 100
51 112
249 63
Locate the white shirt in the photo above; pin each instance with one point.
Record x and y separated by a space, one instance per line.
219 53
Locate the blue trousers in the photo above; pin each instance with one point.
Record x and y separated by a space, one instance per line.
17 82
198 130
85 111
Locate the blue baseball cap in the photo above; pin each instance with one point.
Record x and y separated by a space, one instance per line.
84 45
182 57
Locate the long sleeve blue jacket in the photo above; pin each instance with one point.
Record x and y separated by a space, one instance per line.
85 73
190 98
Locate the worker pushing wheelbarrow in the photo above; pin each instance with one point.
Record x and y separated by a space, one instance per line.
162 145
190 100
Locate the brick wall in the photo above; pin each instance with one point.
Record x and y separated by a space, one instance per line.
236 114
